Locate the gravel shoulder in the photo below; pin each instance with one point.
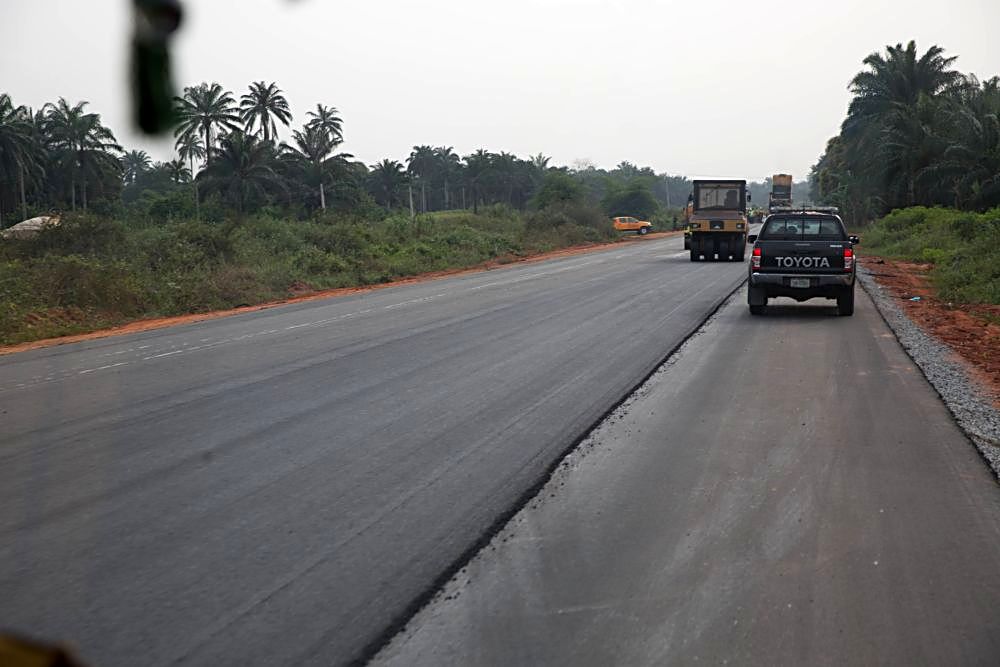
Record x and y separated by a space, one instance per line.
967 398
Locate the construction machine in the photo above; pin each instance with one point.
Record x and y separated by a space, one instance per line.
717 224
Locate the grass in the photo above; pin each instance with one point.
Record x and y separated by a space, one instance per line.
93 272
963 247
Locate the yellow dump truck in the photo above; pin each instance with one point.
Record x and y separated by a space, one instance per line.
717 225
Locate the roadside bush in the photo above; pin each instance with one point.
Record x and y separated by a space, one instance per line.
964 248
77 234
94 271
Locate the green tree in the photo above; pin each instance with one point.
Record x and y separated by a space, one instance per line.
478 167
264 104
449 167
968 170
558 188
135 163
190 148
82 145
16 154
177 170
883 138
312 160
326 119
422 165
241 168
633 198
206 109
387 178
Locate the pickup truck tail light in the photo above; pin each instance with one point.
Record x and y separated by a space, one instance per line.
848 259
755 259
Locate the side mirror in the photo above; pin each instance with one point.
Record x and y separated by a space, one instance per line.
749 198
856 240
751 238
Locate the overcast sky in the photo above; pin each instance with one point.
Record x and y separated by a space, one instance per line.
721 88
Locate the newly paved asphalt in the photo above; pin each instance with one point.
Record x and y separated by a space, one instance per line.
278 487
788 490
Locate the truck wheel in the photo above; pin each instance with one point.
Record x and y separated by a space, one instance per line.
758 310
845 302
643 231
694 255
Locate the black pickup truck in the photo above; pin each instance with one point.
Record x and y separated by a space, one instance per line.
802 255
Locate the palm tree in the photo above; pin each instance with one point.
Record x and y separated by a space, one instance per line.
886 99
242 166
969 165
135 163
387 177
312 157
448 165
177 171
16 155
478 166
540 162
206 109
506 165
421 164
262 105
327 120
82 144
190 147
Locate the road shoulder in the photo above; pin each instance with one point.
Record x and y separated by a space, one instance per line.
967 394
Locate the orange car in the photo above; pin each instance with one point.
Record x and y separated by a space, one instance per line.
626 223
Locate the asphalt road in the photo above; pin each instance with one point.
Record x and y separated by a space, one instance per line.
277 487
789 490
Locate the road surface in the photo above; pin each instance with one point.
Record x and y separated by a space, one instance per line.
279 487
788 490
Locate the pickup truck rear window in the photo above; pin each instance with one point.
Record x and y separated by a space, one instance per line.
803 229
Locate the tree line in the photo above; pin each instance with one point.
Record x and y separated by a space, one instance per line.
229 154
917 132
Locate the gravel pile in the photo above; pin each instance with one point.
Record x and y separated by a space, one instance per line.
977 417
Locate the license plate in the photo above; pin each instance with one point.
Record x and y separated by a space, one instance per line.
798 282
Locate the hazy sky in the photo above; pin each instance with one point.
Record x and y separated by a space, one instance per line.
720 88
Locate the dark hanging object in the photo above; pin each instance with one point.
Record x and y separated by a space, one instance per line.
152 86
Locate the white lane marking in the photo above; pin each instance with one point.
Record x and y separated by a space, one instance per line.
102 368
165 354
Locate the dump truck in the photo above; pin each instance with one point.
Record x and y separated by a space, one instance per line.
717 226
781 192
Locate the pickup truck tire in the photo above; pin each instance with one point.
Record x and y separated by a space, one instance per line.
845 302
758 310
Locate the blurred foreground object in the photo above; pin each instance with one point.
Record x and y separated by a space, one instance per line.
22 652
152 86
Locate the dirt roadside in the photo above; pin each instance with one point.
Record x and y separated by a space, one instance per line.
299 294
971 331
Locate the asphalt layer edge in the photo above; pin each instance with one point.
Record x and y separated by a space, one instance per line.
427 595
979 421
